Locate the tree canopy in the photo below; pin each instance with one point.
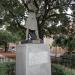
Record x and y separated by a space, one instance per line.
49 14
7 37
64 41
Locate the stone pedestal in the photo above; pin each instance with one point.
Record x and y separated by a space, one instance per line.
33 59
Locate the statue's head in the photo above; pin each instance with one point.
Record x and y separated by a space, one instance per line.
28 1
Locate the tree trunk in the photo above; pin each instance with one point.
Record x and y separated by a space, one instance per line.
6 47
40 31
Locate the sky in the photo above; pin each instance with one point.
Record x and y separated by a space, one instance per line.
3 27
69 11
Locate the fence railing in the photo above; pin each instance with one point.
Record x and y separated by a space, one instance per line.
68 61
6 60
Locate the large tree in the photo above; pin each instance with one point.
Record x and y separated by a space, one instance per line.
48 14
6 38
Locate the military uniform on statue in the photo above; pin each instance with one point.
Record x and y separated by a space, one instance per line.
31 25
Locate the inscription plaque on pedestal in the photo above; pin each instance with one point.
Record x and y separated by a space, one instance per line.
38 58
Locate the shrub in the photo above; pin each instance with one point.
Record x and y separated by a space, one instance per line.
68 59
58 70
7 68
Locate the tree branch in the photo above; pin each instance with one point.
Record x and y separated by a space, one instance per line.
49 9
58 15
15 19
36 4
26 6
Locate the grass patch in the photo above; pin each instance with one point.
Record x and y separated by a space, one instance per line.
59 70
6 68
